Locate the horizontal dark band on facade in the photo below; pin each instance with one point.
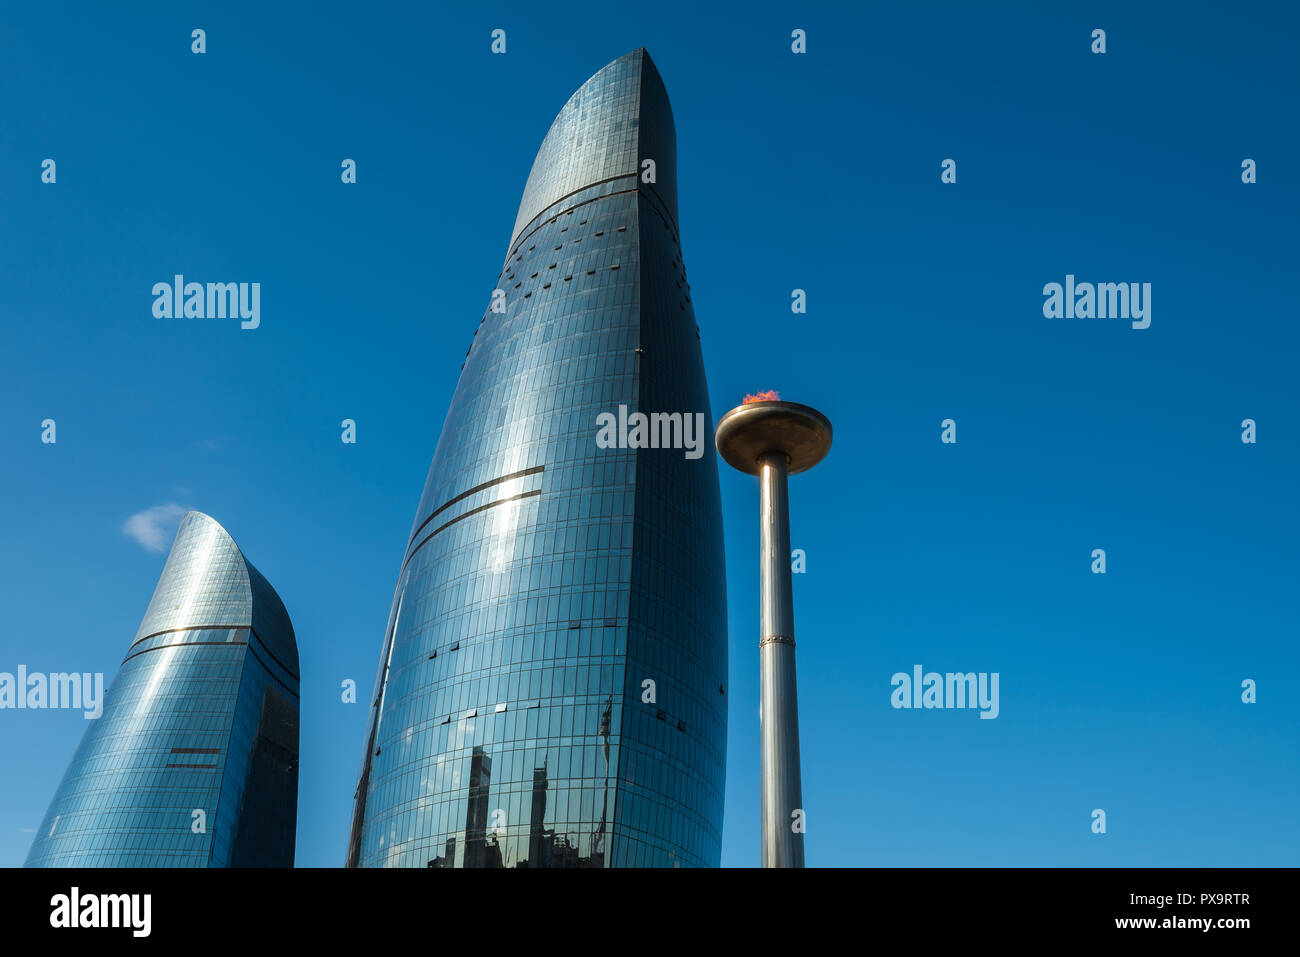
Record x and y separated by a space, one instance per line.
200 767
267 648
586 202
545 212
274 677
468 492
172 631
545 215
196 750
472 511
183 644
658 201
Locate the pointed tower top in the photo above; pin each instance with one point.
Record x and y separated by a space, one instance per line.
617 119
207 582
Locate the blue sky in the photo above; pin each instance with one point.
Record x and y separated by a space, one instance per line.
819 172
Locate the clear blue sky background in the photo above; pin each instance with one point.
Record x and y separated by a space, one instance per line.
820 172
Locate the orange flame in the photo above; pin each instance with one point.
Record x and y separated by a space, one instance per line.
769 395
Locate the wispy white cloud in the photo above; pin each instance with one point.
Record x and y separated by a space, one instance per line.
28 830
154 527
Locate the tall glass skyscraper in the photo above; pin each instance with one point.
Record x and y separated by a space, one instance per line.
194 761
551 691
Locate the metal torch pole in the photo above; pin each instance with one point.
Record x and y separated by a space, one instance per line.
782 793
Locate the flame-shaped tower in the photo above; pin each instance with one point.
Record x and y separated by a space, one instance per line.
551 687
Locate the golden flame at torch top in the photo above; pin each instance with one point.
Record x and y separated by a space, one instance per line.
769 395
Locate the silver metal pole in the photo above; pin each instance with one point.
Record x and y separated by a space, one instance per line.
782 791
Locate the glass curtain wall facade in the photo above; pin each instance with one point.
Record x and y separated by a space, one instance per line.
194 761
551 689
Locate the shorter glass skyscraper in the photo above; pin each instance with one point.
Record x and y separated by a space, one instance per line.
194 761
